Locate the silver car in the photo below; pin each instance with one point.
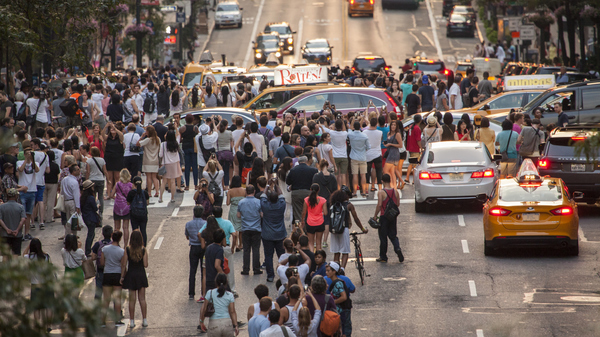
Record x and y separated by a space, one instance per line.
451 171
228 13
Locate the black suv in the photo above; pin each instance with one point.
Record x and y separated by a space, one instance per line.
580 101
370 64
559 159
285 34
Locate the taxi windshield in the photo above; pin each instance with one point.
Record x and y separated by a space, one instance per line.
283 30
191 78
516 193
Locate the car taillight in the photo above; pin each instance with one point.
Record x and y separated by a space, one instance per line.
391 100
353 69
387 68
562 211
446 72
429 176
543 163
417 72
578 138
497 211
489 173
352 2
371 1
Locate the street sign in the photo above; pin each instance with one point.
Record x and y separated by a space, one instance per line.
527 32
150 3
168 8
149 24
515 35
514 24
180 17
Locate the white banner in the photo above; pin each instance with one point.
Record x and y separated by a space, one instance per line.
521 82
301 75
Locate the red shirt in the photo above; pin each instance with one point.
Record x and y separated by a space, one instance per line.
413 139
96 143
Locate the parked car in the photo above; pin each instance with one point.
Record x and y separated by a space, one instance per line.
452 171
345 100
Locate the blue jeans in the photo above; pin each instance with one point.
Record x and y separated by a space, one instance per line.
346 322
225 164
191 161
387 230
270 247
99 278
28 201
196 255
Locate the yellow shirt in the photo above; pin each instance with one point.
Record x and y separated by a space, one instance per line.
488 137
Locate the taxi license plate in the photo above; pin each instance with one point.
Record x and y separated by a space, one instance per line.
531 216
361 6
456 176
577 167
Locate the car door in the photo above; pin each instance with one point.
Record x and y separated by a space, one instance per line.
505 103
312 103
590 105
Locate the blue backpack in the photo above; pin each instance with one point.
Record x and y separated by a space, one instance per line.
138 208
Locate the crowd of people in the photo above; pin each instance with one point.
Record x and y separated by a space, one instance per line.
283 182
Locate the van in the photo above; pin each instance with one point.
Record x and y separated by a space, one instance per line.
491 65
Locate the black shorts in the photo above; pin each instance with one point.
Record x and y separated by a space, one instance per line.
112 280
315 229
403 155
121 217
14 243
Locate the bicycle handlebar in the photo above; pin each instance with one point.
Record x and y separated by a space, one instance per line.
357 233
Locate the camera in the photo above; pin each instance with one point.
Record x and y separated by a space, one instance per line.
204 185
295 269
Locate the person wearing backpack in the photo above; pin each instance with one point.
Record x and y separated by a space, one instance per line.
107 231
388 201
214 175
138 200
204 197
330 319
149 106
341 296
89 213
340 224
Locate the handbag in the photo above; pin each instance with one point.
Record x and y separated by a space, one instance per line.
505 153
226 269
225 156
162 168
374 223
132 147
87 266
60 204
210 307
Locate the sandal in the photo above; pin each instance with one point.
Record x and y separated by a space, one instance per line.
156 195
373 189
406 180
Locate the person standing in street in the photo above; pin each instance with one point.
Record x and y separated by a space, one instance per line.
359 145
563 118
27 170
272 204
299 180
260 322
485 86
276 330
455 96
12 219
249 210
388 227
426 94
133 276
192 230
231 239
339 137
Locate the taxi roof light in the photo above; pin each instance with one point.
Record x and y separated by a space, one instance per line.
528 173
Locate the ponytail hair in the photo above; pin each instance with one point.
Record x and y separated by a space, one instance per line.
175 98
314 195
223 126
137 181
195 97
221 281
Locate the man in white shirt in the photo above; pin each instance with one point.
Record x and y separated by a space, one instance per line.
138 99
455 97
209 141
43 162
41 116
276 330
257 139
300 270
500 54
69 188
27 170
374 153
97 98
340 154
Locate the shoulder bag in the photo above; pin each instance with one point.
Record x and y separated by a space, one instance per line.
210 307
424 142
87 266
162 169
391 211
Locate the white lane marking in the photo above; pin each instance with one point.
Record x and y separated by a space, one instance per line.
472 288
465 246
254 30
188 199
298 41
427 37
121 330
581 235
434 30
374 202
461 220
450 43
416 38
414 21
479 332
175 211
160 240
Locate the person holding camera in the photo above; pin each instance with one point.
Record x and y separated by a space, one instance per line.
204 197
272 204
37 106
299 271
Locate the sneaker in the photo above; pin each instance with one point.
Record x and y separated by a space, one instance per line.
325 245
235 295
27 237
245 273
200 300
191 298
270 279
400 255
380 260
119 323
131 323
32 226
258 272
145 323
41 226
263 266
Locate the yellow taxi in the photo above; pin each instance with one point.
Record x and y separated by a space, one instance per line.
530 210
503 102
462 66
361 7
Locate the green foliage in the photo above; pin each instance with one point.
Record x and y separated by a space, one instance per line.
589 147
59 295
491 34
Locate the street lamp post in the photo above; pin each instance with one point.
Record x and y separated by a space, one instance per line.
138 39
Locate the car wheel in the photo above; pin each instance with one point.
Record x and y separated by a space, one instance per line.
349 14
487 249
240 25
217 26
419 206
573 250
447 34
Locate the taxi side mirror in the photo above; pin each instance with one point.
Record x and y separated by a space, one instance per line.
577 195
486 107
253 106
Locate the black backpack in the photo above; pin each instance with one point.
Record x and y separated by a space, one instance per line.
20 115
149 104
391 211
137 207
213 187
338 214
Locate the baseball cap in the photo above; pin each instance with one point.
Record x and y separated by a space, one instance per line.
425 79
334 265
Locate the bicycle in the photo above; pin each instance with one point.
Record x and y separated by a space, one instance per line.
358 261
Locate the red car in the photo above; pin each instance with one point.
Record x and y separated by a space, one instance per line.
344 99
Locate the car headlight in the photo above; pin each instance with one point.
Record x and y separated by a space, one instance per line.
290 40
258 55
277 54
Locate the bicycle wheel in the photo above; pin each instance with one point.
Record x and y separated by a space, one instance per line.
360 264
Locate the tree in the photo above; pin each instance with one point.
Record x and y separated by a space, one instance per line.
59 294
